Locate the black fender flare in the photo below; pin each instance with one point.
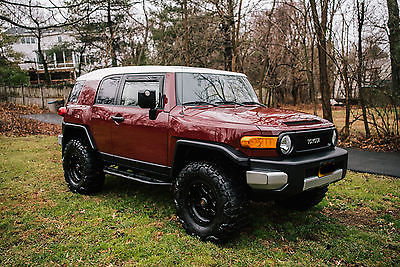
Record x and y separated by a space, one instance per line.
226 150
83 128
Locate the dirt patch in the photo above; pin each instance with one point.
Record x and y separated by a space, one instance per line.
12 124
363 217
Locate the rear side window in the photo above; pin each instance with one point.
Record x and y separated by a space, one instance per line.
108 91
73 97
132 87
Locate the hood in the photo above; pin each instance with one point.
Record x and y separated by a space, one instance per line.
270 121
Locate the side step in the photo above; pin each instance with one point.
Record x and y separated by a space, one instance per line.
134 176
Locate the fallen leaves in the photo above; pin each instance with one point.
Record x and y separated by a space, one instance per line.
384 144
12 124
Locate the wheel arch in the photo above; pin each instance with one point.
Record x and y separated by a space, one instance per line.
190 150
72 130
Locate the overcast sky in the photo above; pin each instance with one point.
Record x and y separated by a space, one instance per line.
376 12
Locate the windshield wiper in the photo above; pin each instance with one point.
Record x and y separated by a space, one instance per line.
229 103
195 103
253 103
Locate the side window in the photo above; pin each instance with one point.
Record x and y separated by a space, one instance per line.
73 97
132 87
106 93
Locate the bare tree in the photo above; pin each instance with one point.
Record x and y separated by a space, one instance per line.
308 35
343 64
112 29
361 9
225 10
38 19
394 41
16 12
186 31
320 25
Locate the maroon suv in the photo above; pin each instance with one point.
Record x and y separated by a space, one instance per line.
202 131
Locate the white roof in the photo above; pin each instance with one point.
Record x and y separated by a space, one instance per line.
101 73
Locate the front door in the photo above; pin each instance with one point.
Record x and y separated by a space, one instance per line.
134 135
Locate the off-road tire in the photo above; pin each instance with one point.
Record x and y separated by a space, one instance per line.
230 202
304 200
83 171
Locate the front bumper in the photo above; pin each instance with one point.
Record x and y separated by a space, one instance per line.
294 175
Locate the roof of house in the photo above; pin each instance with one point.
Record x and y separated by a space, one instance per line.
18 31
101 73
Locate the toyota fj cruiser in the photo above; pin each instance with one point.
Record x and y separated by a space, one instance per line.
201 131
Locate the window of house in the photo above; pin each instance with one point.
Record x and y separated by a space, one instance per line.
33 40
59 39
133 87
22 40
28 40
107 91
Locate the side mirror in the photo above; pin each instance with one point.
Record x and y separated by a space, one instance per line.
147 99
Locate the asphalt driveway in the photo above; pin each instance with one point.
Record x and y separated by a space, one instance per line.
385 163
52 118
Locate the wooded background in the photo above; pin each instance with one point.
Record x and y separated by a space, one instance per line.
293 51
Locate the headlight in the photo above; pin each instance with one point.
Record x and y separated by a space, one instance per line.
334 137
258 142
285 145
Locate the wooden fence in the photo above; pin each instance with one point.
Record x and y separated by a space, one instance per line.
39 96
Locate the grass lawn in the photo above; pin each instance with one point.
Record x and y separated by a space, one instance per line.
42 223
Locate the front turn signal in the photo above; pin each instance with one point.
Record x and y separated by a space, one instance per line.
258 142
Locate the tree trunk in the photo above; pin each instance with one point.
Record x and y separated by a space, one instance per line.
321 28
264 74
146 34
42 58
309 69
236 39
81 53
344 75
346 83
313 92
111 31
360 66
394 41
228 32
186 32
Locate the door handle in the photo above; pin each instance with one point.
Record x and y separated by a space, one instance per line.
117 118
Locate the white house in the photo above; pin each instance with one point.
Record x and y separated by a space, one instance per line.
377 69
62 62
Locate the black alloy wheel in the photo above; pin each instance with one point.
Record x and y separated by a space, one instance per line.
202 203
83 171
74 169
209 204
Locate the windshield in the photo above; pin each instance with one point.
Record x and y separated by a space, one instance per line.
204 88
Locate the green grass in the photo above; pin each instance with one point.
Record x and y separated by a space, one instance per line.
42 223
